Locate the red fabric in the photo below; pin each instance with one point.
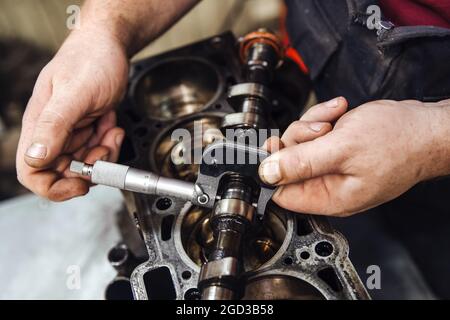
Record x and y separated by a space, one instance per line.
417 12
290 52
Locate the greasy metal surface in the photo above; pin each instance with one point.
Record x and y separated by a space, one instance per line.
213 170
166 149
280 287
177 236
177 87
261 242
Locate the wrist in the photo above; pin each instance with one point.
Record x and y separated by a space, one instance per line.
438 149
96 36
103 23
133 23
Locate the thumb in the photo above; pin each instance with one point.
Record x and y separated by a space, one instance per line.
303 161
52 130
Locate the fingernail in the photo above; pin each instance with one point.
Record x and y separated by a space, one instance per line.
119 139
270 171
332 103
105 157
316 126
37 151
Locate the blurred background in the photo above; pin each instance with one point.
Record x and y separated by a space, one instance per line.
43 243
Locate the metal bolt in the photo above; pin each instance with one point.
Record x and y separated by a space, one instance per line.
203 199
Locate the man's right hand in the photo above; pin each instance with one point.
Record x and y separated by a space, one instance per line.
71 114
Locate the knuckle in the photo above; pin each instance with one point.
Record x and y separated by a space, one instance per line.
310 112
63 81
53 121
44 75
274 143
272 140
346 149
294 126
36 188
41 190
302 167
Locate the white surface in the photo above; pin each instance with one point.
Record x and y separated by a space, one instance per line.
40 240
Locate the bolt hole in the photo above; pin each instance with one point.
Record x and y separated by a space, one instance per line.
218 106
192 294
163 204
118 255
305 255
288 261
324 249
186 275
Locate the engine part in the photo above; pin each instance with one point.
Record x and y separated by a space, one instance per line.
224 250
124 261
232 216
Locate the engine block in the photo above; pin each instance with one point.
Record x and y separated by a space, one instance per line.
285 255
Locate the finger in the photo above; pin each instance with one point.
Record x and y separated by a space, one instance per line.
60 184
314 196
86 121
47 184
64 189
103 137
80 154
303 131
328 111
304 161
68 188
113 141
273 144
97 153
78 138
41 94
53 128
105 123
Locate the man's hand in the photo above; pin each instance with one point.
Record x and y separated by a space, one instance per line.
70 115
71 112
373 154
